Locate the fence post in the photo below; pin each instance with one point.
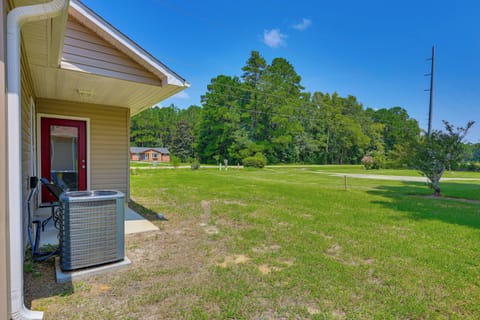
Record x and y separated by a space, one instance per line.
345 179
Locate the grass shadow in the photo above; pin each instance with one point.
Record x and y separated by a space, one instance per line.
40 282
416 201
147 213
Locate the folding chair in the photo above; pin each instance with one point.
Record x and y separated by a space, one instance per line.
56 192
34 225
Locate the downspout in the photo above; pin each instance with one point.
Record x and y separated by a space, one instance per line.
15 20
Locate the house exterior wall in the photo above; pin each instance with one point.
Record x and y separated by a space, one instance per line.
4 235
134 157
84 50
149 156
109 140
160 156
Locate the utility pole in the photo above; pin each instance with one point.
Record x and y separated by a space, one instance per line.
430 105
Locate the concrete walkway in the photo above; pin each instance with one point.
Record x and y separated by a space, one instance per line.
391 178
182 167
135 223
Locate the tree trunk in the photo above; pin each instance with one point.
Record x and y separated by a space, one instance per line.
436 189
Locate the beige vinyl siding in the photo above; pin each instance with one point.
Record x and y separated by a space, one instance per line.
85 51
109 140
27 95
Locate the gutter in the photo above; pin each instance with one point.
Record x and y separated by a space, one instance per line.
15 20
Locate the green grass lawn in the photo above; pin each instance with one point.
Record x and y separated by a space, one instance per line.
142 164
284 243
297 245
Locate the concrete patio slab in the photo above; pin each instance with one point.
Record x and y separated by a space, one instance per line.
135 223
68 276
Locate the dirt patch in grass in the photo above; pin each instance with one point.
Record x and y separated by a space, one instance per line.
206 207
266 269
99 288
233 260
236 202
334 250
211 230
161 283
313 310
339 314
266 249
287 263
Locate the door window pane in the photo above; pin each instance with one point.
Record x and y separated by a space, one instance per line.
64 156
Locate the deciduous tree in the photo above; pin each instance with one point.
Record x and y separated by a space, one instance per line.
438 151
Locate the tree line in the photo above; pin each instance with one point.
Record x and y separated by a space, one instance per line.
266 112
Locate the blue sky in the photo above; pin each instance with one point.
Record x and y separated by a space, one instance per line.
374 50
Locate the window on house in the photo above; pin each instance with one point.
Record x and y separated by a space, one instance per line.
145 156
154 156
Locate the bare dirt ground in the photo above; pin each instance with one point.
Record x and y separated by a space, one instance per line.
168 267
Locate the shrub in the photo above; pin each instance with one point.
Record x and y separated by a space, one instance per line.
469 166
374 161
257 161
175 161
474 166
367 161
195 164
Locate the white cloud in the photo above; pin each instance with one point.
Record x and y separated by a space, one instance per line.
302 25
274 38
181 95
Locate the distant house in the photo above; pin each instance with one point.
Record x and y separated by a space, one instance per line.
149 154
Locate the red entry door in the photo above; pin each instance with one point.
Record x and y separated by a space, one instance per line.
64 154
